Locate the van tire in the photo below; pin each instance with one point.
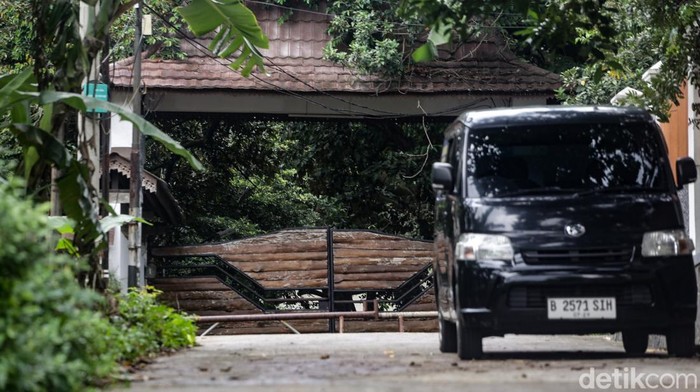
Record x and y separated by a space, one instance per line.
469 342
635 342
448 336
680 341
447 329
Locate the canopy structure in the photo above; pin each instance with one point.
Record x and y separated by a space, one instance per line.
300 83
158 201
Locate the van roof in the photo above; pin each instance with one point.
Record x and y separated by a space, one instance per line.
552 114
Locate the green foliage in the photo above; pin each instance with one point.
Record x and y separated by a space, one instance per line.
16 29
366 35
85 103
164 43
579 29
678 44
583 29
369 37
51 335
581 86
18 96
239 32
377 172
611 42
250 186
462 18
145 326
236 29
266 176
10 154
61 60
646 35
597 83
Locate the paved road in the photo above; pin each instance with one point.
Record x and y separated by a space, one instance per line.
405 362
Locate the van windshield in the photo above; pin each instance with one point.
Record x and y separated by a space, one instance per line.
570 158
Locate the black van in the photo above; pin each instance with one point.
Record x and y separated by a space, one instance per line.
561 220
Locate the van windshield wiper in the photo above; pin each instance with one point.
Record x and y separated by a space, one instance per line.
618 189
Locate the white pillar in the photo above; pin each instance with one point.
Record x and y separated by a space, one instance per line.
694 190
118 255
119 142
694 152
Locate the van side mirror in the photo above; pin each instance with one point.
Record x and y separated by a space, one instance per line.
686 172
442 176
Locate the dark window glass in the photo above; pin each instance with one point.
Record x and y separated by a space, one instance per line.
563 158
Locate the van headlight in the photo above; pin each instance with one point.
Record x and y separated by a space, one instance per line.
666 243
472 246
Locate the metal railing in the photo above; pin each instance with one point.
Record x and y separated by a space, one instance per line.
331 316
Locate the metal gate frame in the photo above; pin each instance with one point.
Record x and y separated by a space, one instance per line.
267 300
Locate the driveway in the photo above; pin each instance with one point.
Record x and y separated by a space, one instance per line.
409 362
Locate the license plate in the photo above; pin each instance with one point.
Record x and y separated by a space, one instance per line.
580 308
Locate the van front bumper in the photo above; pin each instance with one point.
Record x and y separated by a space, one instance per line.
651 295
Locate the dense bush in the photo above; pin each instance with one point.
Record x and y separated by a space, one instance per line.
54 335
146 326
51 336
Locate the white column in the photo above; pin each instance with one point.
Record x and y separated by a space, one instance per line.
694 191
694 152
118 255
120 142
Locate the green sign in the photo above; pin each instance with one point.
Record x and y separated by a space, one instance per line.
99 91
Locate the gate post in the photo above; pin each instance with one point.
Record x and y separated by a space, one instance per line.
331 278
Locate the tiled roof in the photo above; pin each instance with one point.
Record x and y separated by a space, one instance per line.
294 63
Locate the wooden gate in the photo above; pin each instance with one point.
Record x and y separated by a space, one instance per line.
300 270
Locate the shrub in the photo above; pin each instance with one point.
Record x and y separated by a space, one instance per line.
51 336
54 335
146 326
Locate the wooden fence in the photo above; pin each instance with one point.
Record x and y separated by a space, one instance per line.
297 270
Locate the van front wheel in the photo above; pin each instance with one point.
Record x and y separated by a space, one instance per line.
469 343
